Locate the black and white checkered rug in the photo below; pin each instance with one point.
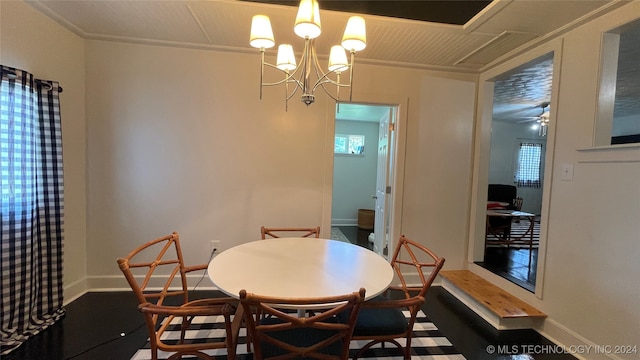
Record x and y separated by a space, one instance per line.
428 343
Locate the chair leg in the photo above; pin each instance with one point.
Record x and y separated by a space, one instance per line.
382 342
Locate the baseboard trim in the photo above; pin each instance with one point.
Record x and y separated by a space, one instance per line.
344 222
108 283
573 343
74 290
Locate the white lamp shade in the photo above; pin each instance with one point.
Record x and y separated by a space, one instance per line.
308 20
261 33
355 34
338 59
285 60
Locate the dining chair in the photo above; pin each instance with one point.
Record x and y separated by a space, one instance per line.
382 319
286 334
274 232
158 277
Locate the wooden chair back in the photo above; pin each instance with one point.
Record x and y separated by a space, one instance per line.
276 333
164 299
411 257
275 232
388 319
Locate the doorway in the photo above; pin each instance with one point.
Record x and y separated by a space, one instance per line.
363 169
512 218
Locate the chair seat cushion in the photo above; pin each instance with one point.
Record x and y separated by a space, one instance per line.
301 337
378 321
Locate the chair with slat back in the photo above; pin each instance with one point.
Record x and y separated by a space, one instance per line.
274 232
285 335
382 319
170 305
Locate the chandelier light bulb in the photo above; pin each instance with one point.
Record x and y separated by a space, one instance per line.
261 32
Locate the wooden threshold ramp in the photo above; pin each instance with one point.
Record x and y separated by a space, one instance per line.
501 309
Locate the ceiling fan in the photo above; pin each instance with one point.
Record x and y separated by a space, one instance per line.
543 117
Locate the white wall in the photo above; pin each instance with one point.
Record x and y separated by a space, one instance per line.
437 176
593 247
33 42
354 177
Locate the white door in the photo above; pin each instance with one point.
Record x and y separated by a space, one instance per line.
383 188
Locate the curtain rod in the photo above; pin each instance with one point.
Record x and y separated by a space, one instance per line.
44 83
47 85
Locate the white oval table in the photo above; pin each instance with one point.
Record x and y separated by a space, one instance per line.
300 268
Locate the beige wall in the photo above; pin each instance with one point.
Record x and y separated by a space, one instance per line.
33 42
178 140
591 281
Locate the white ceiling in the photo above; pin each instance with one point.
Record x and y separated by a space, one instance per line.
224 24
484 41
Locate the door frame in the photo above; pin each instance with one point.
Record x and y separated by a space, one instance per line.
481 168
398 161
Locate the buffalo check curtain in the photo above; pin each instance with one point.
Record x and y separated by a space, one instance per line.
31 206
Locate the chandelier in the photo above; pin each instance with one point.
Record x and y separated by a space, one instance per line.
301 76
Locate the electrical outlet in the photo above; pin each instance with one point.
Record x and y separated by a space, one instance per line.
216 245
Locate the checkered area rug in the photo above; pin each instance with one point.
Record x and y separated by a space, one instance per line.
337 234
428 343
518 230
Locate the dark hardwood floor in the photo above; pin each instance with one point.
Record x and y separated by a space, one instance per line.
512 264
108 326
357 236
92 328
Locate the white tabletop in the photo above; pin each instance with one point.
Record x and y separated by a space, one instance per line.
300 268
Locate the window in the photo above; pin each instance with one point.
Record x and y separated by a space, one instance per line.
529 161
349 144
618 106
18 151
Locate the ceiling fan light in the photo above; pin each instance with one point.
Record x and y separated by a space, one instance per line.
261 32
308 20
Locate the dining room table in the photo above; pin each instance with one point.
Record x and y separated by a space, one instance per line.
300 268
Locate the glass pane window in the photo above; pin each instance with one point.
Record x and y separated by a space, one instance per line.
529 160
18 150
349 144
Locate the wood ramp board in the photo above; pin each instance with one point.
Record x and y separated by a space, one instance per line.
498 301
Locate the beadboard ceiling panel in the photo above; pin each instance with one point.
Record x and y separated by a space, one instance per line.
483 41
225 24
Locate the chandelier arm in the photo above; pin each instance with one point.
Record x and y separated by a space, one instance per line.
353 59
289 77
261 70
323 78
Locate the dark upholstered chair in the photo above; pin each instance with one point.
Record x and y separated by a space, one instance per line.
382 319
279 334
503 193
501 226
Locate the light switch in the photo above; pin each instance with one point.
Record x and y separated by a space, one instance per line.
566 173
